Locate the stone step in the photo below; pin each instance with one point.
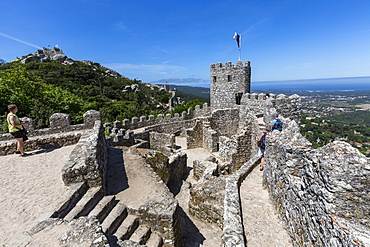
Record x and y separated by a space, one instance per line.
126 229
86 203
141 234
77 192
114 219
104 206
155 240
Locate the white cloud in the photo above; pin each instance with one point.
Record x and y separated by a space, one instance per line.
195 82
146 69
120 26
163 50
18 40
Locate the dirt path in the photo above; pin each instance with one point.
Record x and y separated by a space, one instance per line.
31 189
261 224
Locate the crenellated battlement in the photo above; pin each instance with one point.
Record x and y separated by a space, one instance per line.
230 65
143 121
287 106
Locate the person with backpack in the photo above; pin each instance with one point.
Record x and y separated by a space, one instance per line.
276 124
261 143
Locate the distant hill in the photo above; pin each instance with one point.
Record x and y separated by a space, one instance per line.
198 91
187 93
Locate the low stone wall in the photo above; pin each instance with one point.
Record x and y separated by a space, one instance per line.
178 166
88 159
233 231
172 127
210 138
207 195
162 142
322 195
162 215
59 123
237 149
122 137
42 142
225 121
167 168
194 135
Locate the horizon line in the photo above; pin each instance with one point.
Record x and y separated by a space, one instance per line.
324 78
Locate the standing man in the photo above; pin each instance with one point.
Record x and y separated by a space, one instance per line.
276 124
15 127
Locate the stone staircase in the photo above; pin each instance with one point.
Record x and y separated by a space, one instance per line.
112 214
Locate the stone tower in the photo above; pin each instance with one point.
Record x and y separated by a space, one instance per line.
229 83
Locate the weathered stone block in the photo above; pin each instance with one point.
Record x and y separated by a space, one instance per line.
90 117
206 199
60 121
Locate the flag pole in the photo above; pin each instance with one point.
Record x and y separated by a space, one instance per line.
240 47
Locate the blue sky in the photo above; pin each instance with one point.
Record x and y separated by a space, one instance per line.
177 41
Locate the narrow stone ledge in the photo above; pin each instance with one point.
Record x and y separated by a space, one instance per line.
88 159
233 232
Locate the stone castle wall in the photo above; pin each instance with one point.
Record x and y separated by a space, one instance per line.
288 107
321 194
225 122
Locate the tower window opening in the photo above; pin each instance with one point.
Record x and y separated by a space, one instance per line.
214 78
238 98
229 77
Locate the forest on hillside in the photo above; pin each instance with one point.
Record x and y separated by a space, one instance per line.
42 89
337 115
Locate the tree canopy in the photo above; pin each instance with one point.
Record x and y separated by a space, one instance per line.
42 89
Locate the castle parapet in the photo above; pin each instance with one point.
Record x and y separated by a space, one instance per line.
239 63
321 194
288 107
61 133
143 121
59 123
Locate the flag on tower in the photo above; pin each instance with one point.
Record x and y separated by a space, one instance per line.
238 38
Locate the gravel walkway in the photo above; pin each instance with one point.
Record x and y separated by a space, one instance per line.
261 224
31 189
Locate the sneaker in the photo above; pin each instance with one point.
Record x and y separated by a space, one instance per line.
17 152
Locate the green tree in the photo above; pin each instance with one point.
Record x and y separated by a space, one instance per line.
179 108
35 99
